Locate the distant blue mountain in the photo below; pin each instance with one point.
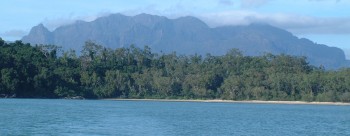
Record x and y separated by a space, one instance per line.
186 35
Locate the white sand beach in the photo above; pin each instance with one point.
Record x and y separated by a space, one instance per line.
232 101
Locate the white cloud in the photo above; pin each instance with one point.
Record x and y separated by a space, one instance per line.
325 0
14 33
150 9
226 2
52 24
253 3
298 24
347 53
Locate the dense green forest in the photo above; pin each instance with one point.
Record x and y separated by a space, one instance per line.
46 71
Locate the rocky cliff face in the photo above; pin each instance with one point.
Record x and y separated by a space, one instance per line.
185 35
39 35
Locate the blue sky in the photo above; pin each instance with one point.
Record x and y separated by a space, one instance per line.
322 21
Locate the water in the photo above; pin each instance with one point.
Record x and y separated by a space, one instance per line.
98 117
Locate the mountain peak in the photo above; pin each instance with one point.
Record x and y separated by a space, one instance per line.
189 18
147 19
40 28
189 21
142 15
38 35
185 35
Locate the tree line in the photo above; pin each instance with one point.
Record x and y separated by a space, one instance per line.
46 71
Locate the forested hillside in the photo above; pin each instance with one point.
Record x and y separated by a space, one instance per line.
44 71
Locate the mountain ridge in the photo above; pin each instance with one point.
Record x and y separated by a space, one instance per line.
186 35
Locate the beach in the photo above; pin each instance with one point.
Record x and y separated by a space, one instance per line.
233 101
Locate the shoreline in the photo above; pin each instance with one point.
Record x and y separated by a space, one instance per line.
215 101
233 101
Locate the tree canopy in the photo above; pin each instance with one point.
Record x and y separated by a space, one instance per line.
45 71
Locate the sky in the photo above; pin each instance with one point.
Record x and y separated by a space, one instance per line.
322 21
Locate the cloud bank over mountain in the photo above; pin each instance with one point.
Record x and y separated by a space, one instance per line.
298 24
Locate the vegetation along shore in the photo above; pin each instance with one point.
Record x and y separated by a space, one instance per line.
45 71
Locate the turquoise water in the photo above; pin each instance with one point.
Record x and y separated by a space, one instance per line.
99 117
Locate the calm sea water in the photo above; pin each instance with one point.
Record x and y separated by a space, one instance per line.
99 117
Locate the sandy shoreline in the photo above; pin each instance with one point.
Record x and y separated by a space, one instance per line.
232 101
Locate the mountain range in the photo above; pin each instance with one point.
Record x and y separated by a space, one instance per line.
186 35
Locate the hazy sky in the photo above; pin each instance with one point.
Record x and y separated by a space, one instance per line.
322 21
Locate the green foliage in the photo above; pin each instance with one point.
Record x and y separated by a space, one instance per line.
39 71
